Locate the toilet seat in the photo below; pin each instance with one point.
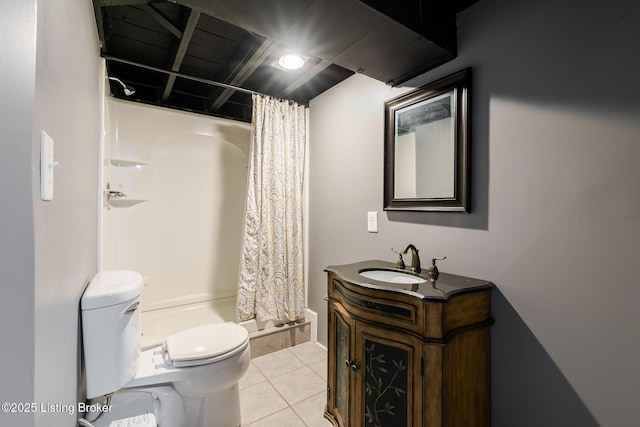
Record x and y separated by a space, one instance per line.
204 344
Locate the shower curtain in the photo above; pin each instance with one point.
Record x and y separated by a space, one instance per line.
271 285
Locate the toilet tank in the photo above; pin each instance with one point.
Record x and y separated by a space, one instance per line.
110 330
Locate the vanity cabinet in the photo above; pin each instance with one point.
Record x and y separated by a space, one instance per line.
403 355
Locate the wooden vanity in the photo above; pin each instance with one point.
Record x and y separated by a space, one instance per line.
407 355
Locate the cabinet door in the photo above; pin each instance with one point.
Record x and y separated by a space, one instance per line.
339 393
388 384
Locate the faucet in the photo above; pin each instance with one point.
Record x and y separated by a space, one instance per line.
433 272
415 258
400 262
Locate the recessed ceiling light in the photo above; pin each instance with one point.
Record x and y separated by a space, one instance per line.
291 61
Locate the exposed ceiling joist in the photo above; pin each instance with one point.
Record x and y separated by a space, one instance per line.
162 20
173 51
245 70
181 51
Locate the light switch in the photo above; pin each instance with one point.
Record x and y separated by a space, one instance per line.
46 166
372 222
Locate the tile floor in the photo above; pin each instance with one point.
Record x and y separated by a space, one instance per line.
287 388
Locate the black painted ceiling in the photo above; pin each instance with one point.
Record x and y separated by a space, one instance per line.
173 51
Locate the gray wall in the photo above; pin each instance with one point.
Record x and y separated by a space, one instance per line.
17 71
555 220
51 72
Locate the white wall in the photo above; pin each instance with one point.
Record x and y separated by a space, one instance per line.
555 220
185 239
50 81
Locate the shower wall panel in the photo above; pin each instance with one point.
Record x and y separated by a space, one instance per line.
180 223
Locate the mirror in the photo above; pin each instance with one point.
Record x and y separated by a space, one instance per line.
425 149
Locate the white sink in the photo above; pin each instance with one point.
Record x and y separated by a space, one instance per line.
390 276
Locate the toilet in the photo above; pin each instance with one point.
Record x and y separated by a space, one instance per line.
191 380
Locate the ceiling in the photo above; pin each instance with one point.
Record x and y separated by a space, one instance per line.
181 53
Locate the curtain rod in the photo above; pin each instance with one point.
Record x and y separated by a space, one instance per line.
184 76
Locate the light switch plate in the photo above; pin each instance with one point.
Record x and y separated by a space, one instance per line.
46 166
372 222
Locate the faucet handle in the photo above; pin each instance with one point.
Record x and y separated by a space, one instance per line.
400 262
433 272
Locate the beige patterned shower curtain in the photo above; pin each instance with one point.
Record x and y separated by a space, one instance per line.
271 285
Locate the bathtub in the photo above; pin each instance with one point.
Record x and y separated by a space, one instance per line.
158 324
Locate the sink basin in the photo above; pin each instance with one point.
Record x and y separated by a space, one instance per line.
391 276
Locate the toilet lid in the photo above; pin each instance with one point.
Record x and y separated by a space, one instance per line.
204 344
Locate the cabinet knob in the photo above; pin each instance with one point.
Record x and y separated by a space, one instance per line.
352 365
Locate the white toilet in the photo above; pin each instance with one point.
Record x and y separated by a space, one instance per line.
189 381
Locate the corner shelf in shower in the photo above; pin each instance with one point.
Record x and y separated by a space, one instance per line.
128 201
128 162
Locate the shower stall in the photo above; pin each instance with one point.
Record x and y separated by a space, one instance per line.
174 186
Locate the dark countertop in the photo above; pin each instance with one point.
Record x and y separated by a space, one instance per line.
445 287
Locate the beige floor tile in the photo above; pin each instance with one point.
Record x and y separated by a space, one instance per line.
251 377
285 418
311 411
297 385
258 401
320 368
286 388
278 363
308 352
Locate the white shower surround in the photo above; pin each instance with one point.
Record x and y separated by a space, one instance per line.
190 172
157 324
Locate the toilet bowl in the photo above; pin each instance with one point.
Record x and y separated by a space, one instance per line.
191 380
